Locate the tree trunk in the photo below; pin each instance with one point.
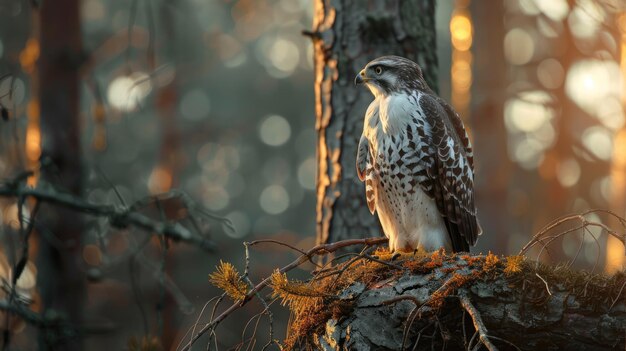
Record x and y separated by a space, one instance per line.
441 304
487 122
60 278
347 35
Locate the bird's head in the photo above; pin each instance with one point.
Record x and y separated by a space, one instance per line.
387 75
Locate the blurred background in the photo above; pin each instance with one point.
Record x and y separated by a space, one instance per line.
216 98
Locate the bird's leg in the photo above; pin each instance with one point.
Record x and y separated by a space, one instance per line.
407 249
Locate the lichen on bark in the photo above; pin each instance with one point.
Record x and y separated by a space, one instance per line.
423 302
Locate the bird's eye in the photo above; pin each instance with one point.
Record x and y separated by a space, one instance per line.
378 70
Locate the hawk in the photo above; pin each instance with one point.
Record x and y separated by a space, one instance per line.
416 160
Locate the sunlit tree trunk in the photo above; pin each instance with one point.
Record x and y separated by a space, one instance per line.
346 35
60 278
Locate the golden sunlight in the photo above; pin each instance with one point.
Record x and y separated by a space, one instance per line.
160 180
461 33
616 253
33 139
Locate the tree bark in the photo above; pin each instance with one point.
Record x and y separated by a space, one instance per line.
554 310
346 35
60 278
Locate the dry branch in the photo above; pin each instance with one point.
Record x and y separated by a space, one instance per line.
478 321
119 216
307 256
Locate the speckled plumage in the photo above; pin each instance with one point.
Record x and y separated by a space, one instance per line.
416 161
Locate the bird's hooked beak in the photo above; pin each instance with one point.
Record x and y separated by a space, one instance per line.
360 78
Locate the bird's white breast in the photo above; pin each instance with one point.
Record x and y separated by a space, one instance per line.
410 219
389 115
395 112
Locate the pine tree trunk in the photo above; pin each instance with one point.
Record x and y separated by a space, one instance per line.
60 278
347 34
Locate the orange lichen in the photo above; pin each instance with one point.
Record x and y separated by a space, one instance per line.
474 260
436 260
321 300
513 265
314 302
491 262
438 297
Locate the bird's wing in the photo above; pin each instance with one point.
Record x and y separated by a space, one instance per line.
460 132
450 178
365 171
362 157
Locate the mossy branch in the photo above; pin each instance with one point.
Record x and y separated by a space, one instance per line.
376 299
306 256
511 302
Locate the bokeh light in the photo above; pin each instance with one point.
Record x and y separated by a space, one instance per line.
550 73
461 29
306 173
274 130
125 93
215 197
556 10
589 82
279 55
568 172
274 199
585 19
598 140
611 113
195 105
160 180
461 35
519 46
528 113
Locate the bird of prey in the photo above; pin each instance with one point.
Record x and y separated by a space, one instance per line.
416 160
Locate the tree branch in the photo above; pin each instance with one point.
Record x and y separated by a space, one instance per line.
478 321
307 256
119 216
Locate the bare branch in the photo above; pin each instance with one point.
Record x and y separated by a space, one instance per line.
119 216
315 251
478 322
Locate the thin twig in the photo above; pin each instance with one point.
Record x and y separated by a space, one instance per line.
266 311
478 321
272 241
545 283
315 251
